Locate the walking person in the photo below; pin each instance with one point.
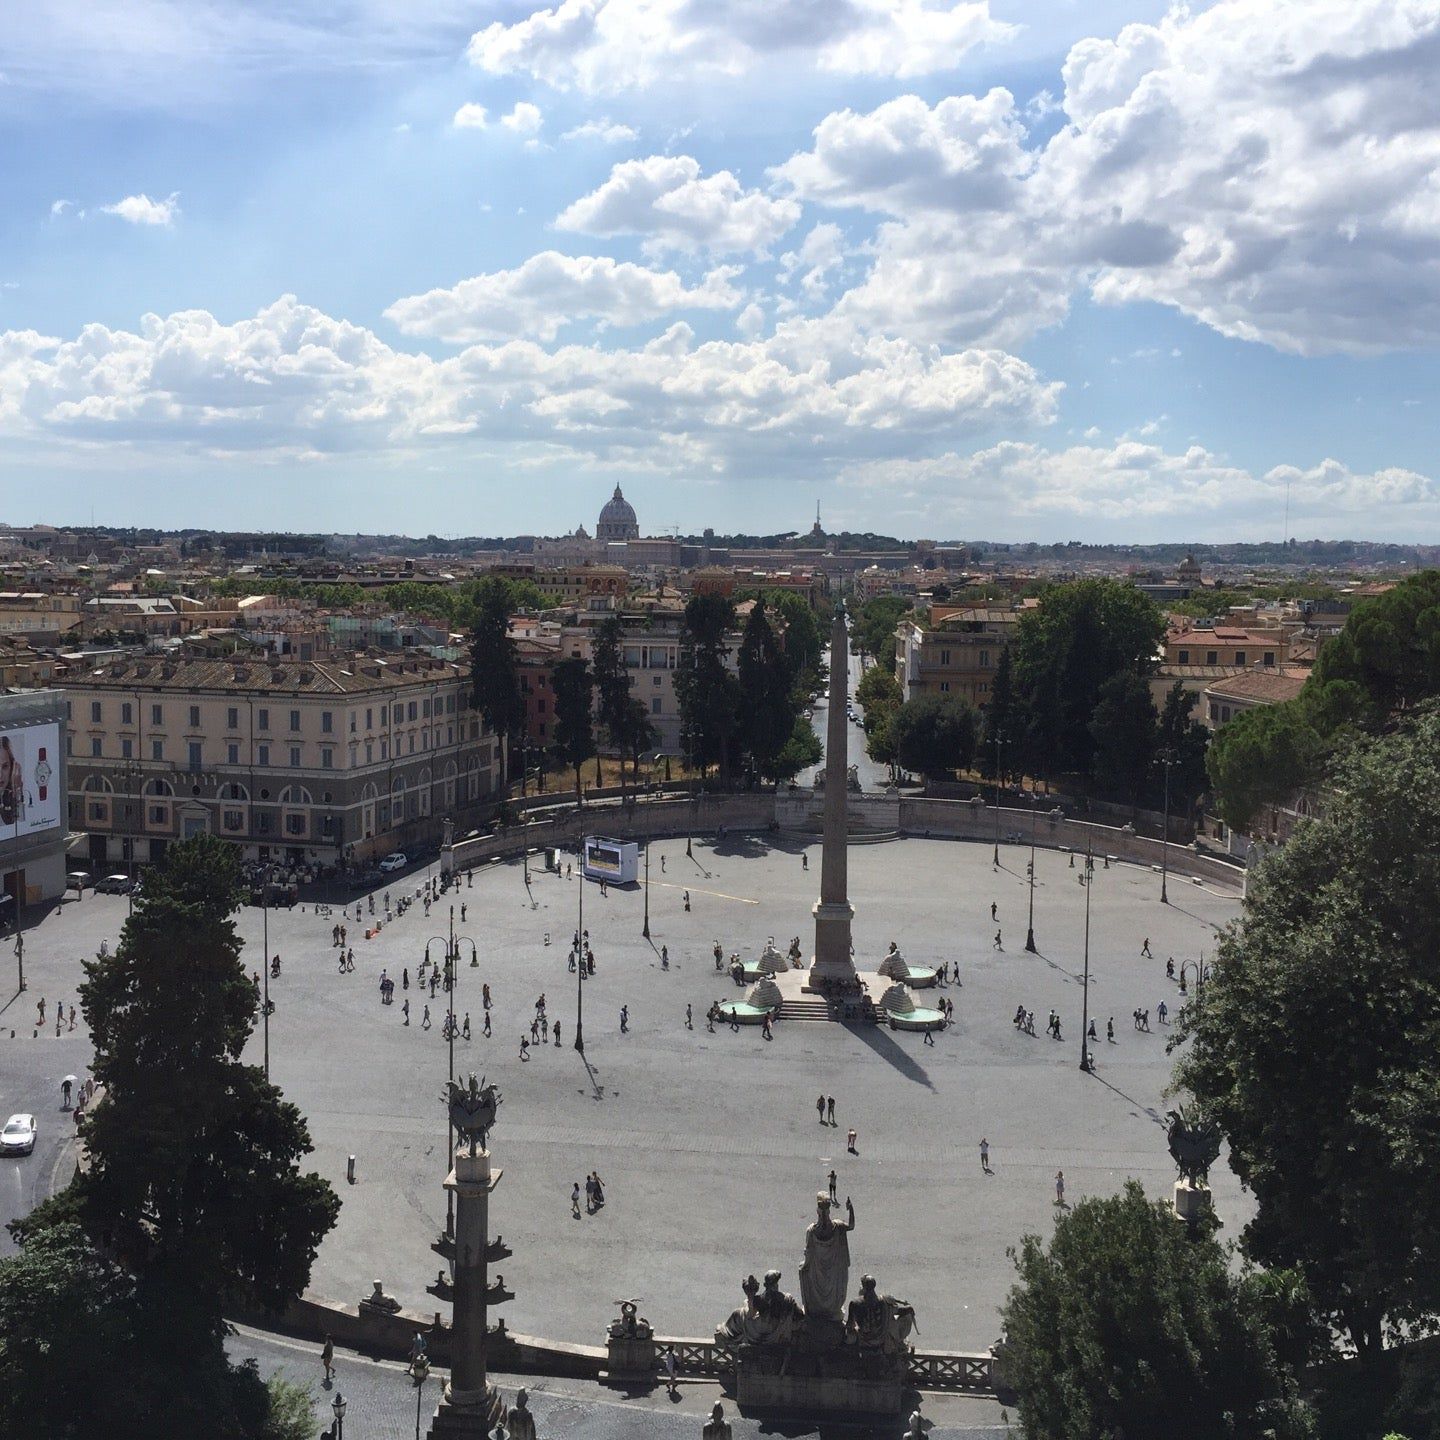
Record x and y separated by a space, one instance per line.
575 1200
850 1137
624 1019
405 1009
327 1359
993 914
557 1032
1145 949
929 1036
687 902
832 1177
1060 1188
830 1109
998 945
985 1157
667 1362
524 1047
820 1109
465 1029
804 860
425 1018
689 1018
486 1030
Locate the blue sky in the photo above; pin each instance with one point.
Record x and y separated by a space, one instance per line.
1022 270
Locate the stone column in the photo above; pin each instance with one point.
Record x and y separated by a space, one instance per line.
471 1406
832 966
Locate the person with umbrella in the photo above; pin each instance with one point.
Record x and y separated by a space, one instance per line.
66 1086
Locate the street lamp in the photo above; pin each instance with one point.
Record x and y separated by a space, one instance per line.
1089 879
645 929
19 906
1034 817
419 1374
997 802
339 1407
1167 759
265 875
452 943
580 952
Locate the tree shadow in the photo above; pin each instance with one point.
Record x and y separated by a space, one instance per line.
898 1058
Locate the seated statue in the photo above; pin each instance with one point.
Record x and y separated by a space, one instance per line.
768 1317
878 1322
379 1300
521 1421
717 1427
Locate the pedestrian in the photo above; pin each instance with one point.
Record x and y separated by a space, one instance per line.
557 1032
327 1358
667 1361
465 1029
850 1142
434 981
804 860
998 945
534 1031
425 1019
993 914
65 1093
575 1200
40 1017
689 1018
765 1032
1110 1029
589 1195
405 978
72 1018
1090 1034
624 1018
1170 968
929 1035
1162 1010
820 1109
719 956
687 902
524 1048
1145 949
485 995
833 1178
405 1009
462 914
830 1109
1060 1188
486 1031
350 960
662 864
598 1189
664 957
985 1156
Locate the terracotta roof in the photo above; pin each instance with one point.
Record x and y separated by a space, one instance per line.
356 675
1262 687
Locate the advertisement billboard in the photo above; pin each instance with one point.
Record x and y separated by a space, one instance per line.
615 861
30 799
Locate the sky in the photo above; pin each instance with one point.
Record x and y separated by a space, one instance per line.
1107 270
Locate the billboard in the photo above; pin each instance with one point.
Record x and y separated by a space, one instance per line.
615 861
30 799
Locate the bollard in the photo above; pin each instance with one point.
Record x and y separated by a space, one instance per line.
350 1170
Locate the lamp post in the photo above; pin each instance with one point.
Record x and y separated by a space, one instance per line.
1034 817
338 1406
996 858
580 952
452 943
265 960
645 929
1167 759
690 807
1089 878
19 904
419 1374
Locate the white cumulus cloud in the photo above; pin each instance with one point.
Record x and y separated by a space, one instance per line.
666 200
610 45
471 116
551 290
142 210
524 119
603 130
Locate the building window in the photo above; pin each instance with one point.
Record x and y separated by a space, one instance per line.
384 749
94 712
369 719
194 717
232 754
1239 657
157 749
95 747
157 715
657 705
294 824
127 712
384 709
327 758
411 711
424 709
294 719
232 820
125 749
263 757
1184 657
232 718
193 748
369 752
159 815
262 824
98 812
658 680
294 757
944 657
1269 657
984 659
1212 657
327 722
945 687
263 717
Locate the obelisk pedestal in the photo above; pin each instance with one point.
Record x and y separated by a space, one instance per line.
832 969
471 1406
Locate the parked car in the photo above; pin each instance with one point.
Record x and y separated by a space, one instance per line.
79 881
18 1136
394 861
114 885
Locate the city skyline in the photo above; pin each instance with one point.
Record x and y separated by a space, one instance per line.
961 269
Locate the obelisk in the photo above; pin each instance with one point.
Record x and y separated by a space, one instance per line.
832 968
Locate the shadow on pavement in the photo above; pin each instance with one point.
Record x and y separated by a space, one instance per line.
894 1055
1129 1099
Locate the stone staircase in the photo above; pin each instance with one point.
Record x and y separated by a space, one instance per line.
807 1007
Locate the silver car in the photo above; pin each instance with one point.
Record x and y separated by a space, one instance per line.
18 1136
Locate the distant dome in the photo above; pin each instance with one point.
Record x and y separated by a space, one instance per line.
617 520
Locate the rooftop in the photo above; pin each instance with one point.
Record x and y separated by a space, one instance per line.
351 675
1264 686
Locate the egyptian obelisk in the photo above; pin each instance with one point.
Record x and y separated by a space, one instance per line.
832 967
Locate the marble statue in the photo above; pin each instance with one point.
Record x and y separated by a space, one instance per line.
825 1272
878 1322
1194 1139
520 1421
768 1317
717 1427
473 1110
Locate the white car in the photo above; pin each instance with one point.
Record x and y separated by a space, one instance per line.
18 1136
394 861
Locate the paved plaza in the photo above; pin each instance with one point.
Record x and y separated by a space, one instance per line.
708 1144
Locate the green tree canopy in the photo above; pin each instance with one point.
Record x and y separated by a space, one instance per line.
707 693
1261 757
873 629
574 729
767 718
1186 741
494 664
1317 1045
934 734
1080 635
1123 727
1126 1324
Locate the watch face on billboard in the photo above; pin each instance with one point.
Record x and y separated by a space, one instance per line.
30 799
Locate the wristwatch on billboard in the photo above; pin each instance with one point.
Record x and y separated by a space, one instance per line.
42 775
